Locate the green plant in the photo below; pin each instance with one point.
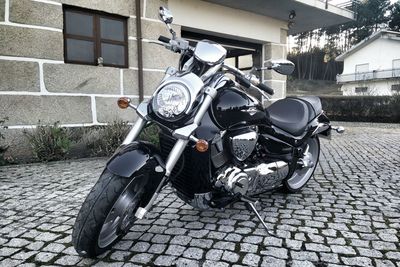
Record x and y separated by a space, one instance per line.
49 142
103 140
362 108
150 134
3 148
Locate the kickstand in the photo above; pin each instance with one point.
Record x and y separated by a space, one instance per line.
252 204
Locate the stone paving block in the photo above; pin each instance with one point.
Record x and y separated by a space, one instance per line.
193 253
297 263
357 261
164 260
45 257
68 260
271 261
230 256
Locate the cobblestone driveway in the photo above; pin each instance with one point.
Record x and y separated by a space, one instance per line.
349 214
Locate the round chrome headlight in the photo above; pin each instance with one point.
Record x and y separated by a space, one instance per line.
171 101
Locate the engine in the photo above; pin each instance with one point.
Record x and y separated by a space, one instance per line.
243 142
252 180
251 175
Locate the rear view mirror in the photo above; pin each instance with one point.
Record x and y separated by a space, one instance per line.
281 66
165 15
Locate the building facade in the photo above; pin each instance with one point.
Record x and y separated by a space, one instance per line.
69 60
372 67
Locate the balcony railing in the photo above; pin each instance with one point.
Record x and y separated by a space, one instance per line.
367 76
350 4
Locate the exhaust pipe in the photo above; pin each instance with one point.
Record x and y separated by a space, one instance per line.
338 129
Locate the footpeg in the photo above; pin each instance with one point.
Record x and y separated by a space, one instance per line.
252 204
338 129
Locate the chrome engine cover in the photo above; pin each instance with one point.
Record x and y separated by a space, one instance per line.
234 180
266 176
242 145
254 180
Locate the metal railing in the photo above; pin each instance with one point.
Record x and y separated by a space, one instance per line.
367 76
351 5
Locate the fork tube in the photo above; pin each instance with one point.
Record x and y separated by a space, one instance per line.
174 155
135 131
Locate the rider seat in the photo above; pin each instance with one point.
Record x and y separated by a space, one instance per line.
293 114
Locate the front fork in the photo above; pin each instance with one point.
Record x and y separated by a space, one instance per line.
183 136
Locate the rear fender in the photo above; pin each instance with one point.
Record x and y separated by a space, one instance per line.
324 127
138 159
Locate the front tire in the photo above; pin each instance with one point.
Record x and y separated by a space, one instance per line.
301 176
106 214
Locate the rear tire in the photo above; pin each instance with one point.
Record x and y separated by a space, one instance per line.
94 212
300 177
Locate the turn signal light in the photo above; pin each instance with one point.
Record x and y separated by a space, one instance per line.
123 102
202 145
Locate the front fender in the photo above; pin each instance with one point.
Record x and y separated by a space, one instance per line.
135 157
139 159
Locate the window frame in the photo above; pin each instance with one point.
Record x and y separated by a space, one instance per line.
395 88
361 89
96 38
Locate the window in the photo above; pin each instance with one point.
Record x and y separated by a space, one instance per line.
361 90
396 68
396 88
362 72
95 38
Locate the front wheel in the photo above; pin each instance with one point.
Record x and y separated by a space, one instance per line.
107 213
302 175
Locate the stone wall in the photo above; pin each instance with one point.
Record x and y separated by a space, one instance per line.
271 78
36 84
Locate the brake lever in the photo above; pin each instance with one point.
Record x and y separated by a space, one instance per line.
168 46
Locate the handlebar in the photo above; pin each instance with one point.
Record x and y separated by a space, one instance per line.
164 39
265 88
177 45
180 45
249 82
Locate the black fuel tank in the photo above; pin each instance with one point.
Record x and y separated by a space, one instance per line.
232 107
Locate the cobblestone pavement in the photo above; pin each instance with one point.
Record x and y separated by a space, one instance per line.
349 214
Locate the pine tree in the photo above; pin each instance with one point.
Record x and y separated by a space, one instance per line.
394 23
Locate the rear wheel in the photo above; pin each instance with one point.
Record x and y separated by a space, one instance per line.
302 175
107 213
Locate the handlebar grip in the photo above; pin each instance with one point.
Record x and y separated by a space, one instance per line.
164 39
243 81
266 88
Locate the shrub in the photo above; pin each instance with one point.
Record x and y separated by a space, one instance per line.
49 142
104 140
3 148
150 134
362 108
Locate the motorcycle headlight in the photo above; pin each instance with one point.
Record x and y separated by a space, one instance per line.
171 101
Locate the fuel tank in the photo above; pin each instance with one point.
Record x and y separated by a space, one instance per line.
232 108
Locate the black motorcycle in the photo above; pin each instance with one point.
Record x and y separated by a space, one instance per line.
218 145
